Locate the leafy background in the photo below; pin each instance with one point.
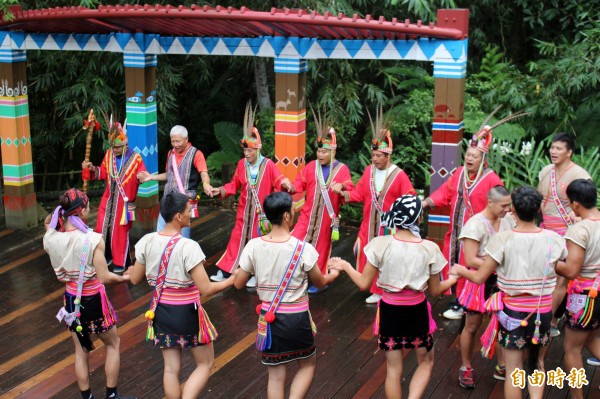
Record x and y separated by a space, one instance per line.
539 56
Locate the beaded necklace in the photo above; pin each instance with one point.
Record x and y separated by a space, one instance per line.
471 182
374 191
320 178
264 226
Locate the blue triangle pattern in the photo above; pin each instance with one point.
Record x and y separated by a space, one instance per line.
352 46
232 43
123 39
403 46
255 43
81 39
166 42
103 40
377 46
428 47
187 43
39 39
210 43
18 37
328 46
60 39
278 43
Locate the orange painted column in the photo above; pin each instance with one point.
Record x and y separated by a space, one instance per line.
15 142
290 115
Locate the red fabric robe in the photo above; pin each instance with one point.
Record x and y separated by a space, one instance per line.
396 185
246 219
111 204
448 194
314 222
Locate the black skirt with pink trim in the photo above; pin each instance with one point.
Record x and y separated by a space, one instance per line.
404 327
291 339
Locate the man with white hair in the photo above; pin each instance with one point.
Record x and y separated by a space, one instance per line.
186 167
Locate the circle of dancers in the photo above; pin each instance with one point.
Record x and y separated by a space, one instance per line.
496 260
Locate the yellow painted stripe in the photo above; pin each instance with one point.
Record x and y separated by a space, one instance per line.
234 351
34 305
5 232
290 118
22 260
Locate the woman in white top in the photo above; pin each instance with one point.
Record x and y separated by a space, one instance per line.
407 266
285 328
524 259
77 256
174 266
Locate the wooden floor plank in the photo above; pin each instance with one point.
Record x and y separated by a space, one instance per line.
36 359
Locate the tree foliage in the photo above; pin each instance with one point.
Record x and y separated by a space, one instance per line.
541 56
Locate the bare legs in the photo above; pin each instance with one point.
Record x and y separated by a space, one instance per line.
300 384
575 340
515 359
420 379
467 339
112 364
204 357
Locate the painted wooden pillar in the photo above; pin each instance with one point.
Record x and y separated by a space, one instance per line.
290 115
15 142
448 118
142 131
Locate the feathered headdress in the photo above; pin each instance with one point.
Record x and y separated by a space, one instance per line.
382 137
251 137
117 134
325 133
482 140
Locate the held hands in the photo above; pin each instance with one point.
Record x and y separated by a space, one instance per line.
144 176
336 264
337 188
215 191
208 189
286 184
455 271
86 165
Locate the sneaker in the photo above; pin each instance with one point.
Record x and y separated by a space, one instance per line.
373 298
314 290
500 373
465 377
454 312
554 331
252 282
220 276
592 361
119 396
118 269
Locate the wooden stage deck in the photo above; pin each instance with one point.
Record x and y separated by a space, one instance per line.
36 353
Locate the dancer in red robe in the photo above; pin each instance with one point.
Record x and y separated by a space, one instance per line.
466 194
120 168
322 180
257 177
380 185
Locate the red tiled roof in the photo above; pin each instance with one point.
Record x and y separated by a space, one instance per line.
219 22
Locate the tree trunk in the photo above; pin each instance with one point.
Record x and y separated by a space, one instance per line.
262 83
